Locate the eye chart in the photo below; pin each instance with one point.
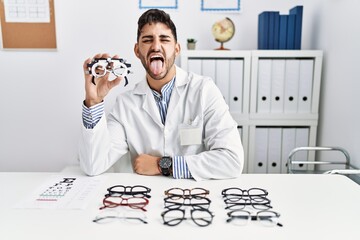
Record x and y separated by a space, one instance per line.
61 192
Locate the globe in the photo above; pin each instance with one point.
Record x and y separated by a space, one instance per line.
223 31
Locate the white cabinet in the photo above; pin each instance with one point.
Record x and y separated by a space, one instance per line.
273 96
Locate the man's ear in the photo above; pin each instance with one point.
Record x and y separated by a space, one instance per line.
136 50
177 49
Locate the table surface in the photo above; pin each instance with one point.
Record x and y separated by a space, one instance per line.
311 207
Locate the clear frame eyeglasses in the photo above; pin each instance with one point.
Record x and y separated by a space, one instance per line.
130 216
266 218
200 216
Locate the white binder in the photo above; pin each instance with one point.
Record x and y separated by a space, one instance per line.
209 68
261 150
305 85
301 140
288 144
277 85
264 86
194 65
222 77
274 150
236 85
292 68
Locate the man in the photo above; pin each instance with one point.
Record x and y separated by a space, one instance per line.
172 123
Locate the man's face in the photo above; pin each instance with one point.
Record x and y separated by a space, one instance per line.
157 50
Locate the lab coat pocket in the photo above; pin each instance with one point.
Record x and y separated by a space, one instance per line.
191 132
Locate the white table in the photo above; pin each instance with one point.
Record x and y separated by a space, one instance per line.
311 207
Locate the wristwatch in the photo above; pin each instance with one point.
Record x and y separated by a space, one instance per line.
165 165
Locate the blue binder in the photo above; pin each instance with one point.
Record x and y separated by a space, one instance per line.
298 12
263 30
283 22
276 29
290 41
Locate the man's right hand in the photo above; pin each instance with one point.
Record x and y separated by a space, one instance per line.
95 93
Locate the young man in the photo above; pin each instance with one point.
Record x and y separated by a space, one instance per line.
172 123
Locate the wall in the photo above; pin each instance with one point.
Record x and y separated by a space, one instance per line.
42 91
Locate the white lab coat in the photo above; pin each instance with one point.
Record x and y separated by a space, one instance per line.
198 126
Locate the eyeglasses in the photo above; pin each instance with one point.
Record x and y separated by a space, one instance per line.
136 191
266 218
238 192
174 202
99 67
261 203
132 202
187 193
130 216
200 216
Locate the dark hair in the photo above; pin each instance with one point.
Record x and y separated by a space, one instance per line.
156 16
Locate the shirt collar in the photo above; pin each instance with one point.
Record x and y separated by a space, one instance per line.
165 90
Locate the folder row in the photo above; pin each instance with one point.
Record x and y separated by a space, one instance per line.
228 76
285 85
277 31
273 145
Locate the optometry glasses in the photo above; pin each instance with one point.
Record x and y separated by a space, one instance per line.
174 202
243 217
130 216
99 67
136 191
132 202
186 193
240 193
200 216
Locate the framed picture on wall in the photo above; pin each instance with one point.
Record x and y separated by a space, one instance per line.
221 5
165 4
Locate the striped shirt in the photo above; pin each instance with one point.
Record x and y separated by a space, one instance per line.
92 115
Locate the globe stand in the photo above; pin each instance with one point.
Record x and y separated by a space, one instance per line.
221 47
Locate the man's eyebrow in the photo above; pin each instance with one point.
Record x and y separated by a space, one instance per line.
151 36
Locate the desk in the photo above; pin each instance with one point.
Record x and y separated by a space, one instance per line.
311 207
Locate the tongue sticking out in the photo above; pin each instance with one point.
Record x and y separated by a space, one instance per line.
156 66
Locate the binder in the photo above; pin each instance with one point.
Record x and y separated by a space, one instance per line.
298 12
283 22
264 86
209 68
261 149
301 140
305 85
292 68
194 65
290 41
288 144
277 85
263 30
223 77
273 29
274 150
276 29
236 85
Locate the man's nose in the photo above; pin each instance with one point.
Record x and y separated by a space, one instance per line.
156 44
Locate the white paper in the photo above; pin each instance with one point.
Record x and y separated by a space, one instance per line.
63 192
28 11
158 4
220 5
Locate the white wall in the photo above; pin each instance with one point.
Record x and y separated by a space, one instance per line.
41 91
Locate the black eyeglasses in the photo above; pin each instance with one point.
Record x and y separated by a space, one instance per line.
242 217
173 202
238 192
187 193
136 191
200 216
132 202
261 203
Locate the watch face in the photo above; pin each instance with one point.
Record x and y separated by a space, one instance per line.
165 162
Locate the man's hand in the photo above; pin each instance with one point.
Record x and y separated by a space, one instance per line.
96 93
147 165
